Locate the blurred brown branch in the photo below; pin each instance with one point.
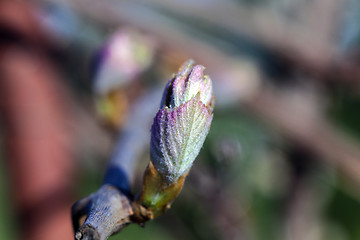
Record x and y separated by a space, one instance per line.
34 120
37 145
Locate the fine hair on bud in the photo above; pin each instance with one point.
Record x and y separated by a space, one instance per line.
182 123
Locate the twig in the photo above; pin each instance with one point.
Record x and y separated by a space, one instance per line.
110 209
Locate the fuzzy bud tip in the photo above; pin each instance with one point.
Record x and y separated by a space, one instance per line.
183 122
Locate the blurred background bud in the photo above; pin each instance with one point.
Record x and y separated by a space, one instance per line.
118 63
125 55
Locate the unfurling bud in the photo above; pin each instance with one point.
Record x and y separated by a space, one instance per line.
182 123
177 135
